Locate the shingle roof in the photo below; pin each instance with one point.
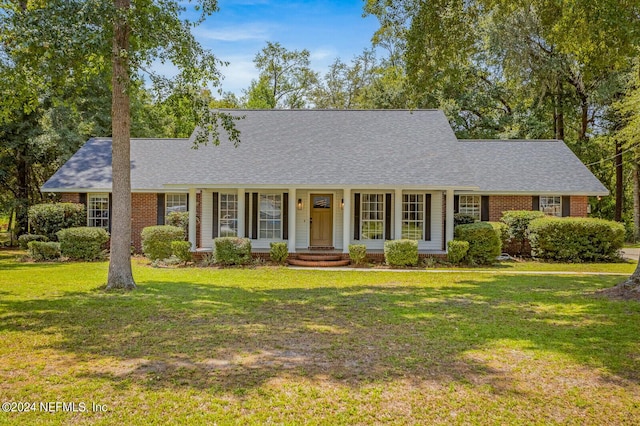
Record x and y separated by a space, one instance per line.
330 147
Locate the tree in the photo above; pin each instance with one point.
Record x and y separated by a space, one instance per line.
343 85
286 73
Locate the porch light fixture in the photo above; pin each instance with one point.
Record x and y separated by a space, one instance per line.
342 204
299 203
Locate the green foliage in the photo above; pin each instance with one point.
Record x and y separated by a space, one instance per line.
457 250
232 250
83 243
484 243
25 239
357 253
48 219
279 252
182 250
156 240
180 220
462 219
401 252
502 230
517 222
43 251
576 239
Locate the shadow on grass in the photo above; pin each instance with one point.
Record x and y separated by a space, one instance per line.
176 334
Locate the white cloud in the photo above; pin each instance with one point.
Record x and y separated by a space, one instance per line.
250 31
238 74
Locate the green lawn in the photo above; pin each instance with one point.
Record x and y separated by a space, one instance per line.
238 346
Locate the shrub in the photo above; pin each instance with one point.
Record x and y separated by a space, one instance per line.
179 219
232 250
462 219
502 231
457 250
401 252
182 250
576 239
41 250
484 243
357 253
517 222
48 219
279 252
156 240
84 243
25 239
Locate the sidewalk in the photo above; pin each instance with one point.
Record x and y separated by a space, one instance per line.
631 253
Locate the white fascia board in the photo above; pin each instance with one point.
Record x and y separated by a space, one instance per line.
532 193
319 187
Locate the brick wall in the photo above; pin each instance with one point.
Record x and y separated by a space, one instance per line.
144 212
70 197
579 206
503 203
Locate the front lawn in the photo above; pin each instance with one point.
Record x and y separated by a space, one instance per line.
207 346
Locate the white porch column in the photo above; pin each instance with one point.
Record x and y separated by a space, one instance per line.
398 214
293 202
449 218
346 220
241 210
192 218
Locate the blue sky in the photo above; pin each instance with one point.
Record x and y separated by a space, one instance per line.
328 29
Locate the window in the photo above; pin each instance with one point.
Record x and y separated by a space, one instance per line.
270 220
228 215
469 205
98 210
412 216
175 203
550 205
372 208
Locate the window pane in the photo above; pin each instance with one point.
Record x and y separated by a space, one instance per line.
372 213
270 221
321 202
175 203
469 205
413 213
551 205
228 215
98 210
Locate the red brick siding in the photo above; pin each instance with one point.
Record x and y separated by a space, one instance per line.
66 197
144 212
579 206
503 203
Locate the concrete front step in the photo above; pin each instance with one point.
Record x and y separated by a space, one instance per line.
319 263
319 257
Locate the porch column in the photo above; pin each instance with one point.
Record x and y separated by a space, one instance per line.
398 214
192 218
293 202
241 210
346 220
449 218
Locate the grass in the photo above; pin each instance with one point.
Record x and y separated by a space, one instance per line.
247 346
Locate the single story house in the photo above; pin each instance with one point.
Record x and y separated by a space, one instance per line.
330 178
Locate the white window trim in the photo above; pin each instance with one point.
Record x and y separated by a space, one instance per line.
559 213
479 197
384 216
90 218
172 194
424 219
260 194
220 216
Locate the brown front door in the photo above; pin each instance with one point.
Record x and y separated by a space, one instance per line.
321 220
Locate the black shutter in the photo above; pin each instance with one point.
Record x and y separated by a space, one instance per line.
83 199
254 216
535 203
285 216
566 206
456 203
160 209
110 211
356 216
484 208
246 215
187 206
387 217
216 215
427 217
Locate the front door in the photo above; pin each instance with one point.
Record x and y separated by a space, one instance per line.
321 220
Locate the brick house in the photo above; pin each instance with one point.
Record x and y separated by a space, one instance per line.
330 178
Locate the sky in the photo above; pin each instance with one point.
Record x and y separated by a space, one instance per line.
328 29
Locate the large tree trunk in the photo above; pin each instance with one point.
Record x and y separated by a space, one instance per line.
619 183
22 195
120 274
636 201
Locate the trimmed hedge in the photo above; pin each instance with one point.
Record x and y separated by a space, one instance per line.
179 219
462 219
48 219
83 243
156 240
517 222
232 250
457 250
42 251
279 252
401 252
182 250
573 239
502 231
484 243
25 239
357 253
